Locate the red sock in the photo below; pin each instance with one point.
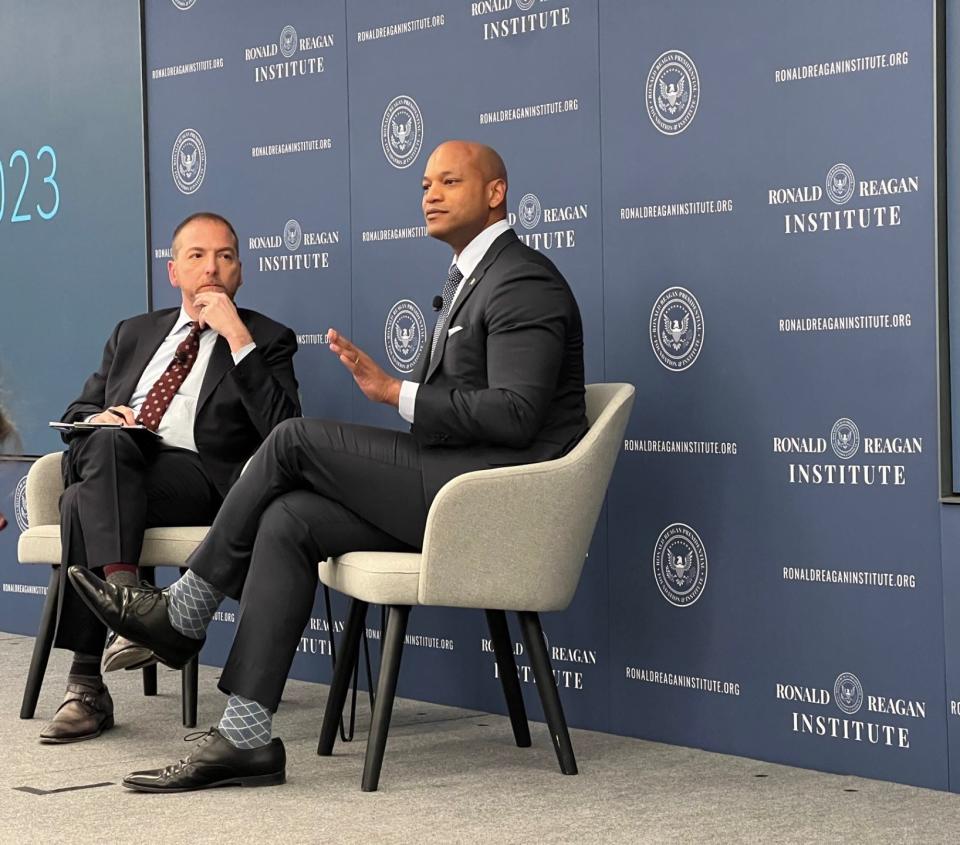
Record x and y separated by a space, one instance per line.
112 568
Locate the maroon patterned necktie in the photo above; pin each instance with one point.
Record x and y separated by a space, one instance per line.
166 387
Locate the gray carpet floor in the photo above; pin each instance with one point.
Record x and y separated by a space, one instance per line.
449 776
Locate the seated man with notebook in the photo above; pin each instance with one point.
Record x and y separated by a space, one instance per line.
188 394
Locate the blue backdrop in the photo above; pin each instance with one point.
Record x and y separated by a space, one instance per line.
71 201
742 199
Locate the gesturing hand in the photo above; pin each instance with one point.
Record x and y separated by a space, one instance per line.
370 378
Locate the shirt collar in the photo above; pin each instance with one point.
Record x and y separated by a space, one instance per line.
182 321
468 260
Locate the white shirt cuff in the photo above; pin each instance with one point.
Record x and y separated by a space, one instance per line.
243 352
408 400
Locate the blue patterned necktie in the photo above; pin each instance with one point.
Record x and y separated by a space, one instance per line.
454 277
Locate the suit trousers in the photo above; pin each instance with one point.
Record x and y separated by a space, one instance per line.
119 484
315 489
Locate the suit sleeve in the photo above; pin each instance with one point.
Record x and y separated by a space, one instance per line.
92 399
267 384
527 319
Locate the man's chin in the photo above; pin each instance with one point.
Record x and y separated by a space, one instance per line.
436 229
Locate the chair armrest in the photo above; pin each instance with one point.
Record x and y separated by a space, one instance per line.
44 486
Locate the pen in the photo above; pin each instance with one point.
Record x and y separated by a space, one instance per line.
117 414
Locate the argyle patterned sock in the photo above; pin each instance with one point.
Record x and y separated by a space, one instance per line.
245 723
192 604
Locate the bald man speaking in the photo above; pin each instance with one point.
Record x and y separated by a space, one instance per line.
500 383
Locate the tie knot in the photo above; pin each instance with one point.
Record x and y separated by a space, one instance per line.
454 277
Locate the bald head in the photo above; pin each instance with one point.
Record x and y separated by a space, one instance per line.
485 159
464 191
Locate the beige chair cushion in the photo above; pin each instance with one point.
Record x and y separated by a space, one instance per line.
375 577
161 546
40 544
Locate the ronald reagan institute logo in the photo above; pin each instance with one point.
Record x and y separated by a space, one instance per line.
672 92
404 334
20 504
840 183
288 41
188 161
401 131
676 328
680 564
292 235
529 211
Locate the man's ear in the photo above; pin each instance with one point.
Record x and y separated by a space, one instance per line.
498 192
172 274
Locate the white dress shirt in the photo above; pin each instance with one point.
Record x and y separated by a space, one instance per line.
466 262
176 426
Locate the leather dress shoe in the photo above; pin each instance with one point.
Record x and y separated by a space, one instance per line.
86 712
215 762
137 613
121 653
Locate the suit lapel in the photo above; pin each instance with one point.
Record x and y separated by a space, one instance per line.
147 344
220 361
469 286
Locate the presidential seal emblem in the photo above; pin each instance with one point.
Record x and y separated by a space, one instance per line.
183 5
840 183
20 504
288 41
403 335
680 564
676 328
529 211
845 438
188 161
848 693
292 235
401 131
672 92
524 5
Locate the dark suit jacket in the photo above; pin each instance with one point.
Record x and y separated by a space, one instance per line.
237 406
506 388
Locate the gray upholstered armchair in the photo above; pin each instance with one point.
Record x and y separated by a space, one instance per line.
511 538
40 544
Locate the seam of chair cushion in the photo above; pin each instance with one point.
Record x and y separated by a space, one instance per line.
359 568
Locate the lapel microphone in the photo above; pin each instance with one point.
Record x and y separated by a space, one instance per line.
437 303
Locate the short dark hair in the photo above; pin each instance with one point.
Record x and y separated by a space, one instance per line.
204 215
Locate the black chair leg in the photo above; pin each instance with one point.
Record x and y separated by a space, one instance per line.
42 646
342 672
188 686
507 669
390 654
149 672
547 687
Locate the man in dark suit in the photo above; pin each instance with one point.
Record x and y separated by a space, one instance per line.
212 381
501 382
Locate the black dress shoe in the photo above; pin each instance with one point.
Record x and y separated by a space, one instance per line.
122 653
86 712
215 762
137 613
